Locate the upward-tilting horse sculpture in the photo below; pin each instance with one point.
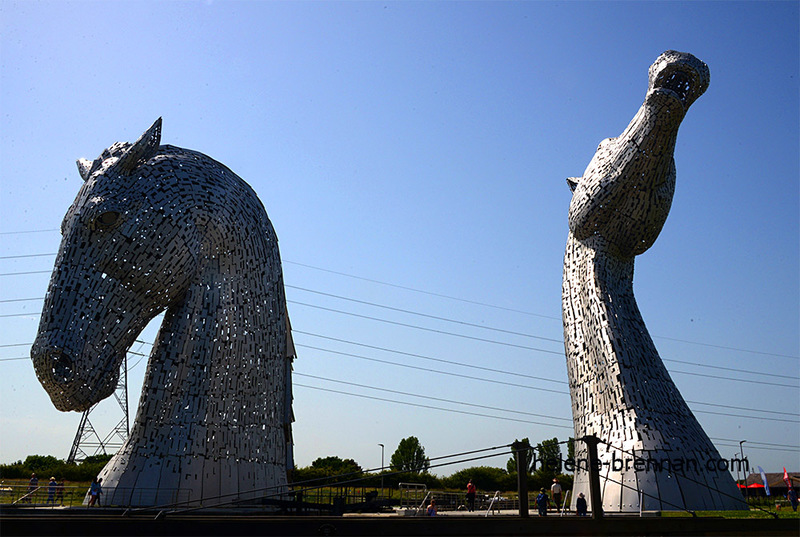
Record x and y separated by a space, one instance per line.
157 228
621 392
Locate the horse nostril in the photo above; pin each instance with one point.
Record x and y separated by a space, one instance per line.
63 366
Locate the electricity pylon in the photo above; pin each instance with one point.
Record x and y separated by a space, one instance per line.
88 442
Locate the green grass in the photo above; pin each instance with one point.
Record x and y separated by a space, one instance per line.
13 489
784 512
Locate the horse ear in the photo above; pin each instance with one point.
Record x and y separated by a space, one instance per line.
142 149
84 167
572 182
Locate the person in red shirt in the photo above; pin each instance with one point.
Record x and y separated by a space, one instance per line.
471 496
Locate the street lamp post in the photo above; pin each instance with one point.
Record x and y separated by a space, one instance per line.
381 469
741 453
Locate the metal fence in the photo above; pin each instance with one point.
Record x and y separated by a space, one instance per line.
413 498
47 496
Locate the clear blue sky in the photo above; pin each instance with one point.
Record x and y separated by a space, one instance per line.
426 145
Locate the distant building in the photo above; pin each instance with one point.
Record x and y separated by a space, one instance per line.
777 487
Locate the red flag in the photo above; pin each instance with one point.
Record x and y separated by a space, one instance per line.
786 478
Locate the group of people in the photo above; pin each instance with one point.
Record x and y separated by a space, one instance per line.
55 490
95 489
543 500
55 493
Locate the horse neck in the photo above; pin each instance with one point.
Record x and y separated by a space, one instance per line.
605 337
618 383
597 291
220 352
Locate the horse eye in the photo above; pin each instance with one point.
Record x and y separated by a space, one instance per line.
107 220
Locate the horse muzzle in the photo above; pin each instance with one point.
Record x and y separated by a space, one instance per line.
70 385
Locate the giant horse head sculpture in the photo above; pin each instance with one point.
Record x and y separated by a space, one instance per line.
621 392
124 258
156 228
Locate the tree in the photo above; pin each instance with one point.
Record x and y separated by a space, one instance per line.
47 465
336 466
548 459
410 456
485 478
519 447
40 463
327 470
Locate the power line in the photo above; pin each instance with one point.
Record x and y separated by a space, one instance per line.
374 398
729 348
419 405
471 404
424 357
471 337
30 231
522 311
449 373
477 326
737 380
430 293
737 349
467 324
464 323
429 397
522 334
443 332
501 330
26 273
469 377
25 256
484 327
748 371
743 408
785 448
28 358
749 442
525 347
727 414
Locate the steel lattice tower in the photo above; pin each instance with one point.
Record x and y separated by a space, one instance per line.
87 440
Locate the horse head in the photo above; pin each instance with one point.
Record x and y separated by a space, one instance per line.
625 193
123 259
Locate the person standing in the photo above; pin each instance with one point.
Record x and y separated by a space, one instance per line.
542 502
51 490
791 495
580 505
94 493
33 486
471 490
555 490
60 491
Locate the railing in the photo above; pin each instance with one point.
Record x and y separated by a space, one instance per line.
456 501
338 498
41 496
411 494
45 496
414 499
495 499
